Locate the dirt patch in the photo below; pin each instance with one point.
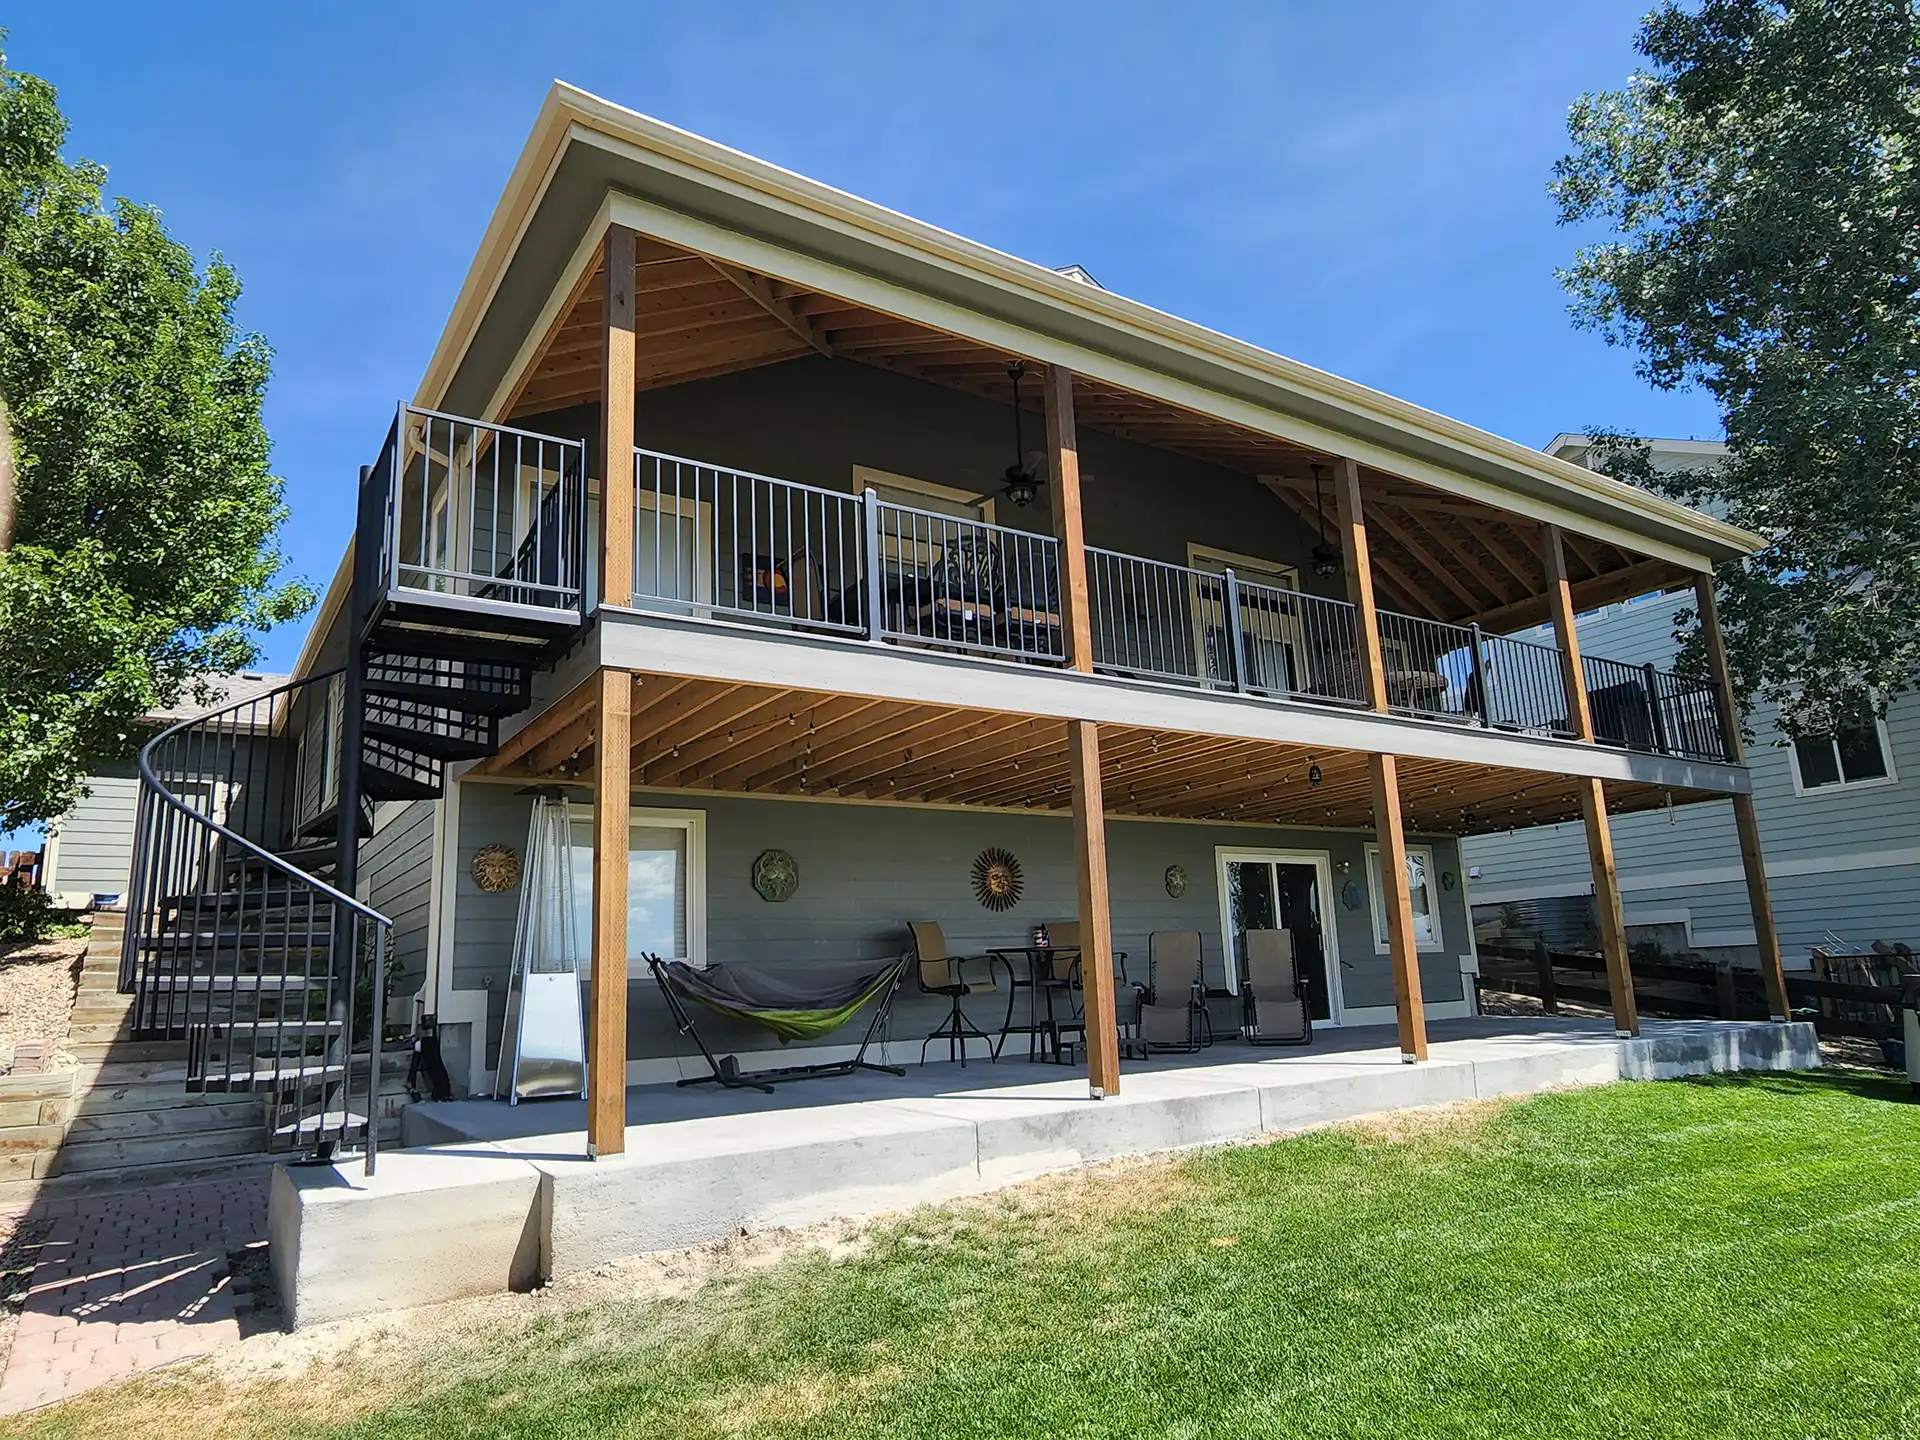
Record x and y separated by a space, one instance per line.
37 984
1463 1123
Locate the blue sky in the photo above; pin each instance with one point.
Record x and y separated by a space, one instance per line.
1360 186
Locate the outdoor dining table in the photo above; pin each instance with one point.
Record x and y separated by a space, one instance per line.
1038 961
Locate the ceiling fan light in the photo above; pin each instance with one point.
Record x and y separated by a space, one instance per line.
1326 561
1020 490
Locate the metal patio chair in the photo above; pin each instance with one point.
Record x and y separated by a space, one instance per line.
938 972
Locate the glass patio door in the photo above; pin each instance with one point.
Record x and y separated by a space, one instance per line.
1281 890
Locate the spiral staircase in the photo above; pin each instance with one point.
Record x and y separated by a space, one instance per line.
246 940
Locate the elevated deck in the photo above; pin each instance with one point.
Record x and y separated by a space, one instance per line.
489 1197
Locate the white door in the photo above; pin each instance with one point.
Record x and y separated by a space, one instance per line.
1284 890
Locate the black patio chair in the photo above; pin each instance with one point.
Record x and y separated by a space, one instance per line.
939 973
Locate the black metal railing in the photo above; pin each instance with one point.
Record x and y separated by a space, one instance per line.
1210 628
1639 707
273 977
709 539
962 584
488 515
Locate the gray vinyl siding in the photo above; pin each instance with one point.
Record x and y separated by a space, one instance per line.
1842 863
93 851
866 871
396 878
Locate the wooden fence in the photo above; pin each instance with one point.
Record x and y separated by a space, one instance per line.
1691 989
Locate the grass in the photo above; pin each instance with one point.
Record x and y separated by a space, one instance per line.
1729 1257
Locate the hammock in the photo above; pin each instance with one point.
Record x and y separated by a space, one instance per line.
795 1002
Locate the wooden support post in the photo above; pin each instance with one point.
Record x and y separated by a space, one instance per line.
1096 920
1398 900
1560 600
1607 910
1543 965
1752 859
1593 795
616 420
1359 567
1063 455
607 1009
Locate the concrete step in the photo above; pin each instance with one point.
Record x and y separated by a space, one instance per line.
245 1113
163 1150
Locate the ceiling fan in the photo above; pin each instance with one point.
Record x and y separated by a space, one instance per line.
1022 480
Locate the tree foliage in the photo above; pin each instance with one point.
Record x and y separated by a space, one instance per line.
1759 182
144 551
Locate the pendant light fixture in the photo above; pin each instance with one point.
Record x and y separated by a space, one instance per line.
1326 559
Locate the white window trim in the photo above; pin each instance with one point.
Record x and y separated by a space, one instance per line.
705 582
694 822
1377 901
1812 792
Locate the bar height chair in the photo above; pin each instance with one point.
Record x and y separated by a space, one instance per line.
938 972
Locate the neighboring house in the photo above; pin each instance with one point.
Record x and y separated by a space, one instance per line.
727 550
1836 816
90 847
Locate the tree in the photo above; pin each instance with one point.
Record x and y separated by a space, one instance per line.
1760 183
144 552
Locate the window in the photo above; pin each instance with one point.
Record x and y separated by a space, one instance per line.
1856 755
1426 906
905 551
666 885
1269 653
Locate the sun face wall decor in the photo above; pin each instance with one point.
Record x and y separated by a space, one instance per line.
996 878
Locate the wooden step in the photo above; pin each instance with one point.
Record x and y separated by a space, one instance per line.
201 1115
164 1094
114 1154
126 1051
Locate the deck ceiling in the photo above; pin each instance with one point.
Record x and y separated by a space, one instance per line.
1434 554
716 737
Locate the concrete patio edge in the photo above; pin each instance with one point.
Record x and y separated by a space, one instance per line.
472 1215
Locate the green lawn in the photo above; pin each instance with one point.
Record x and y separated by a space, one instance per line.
1735 1257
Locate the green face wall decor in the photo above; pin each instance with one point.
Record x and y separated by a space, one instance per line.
776 875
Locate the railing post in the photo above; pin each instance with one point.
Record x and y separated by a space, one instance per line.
1237 662
377 1022
1650 682
874 589
1543 966
1483 682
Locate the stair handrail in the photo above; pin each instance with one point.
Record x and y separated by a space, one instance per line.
151 781
157 799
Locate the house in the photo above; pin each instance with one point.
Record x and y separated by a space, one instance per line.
779 533
1835 816
89 849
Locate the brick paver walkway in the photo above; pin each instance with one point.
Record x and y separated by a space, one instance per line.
129 1281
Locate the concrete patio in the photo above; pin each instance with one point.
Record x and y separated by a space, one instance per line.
488 1197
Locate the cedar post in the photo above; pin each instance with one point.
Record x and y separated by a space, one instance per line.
1096 921
612 799
607 1004
1359 567
1063 453
1398 900
1593 796
1752 860
1083 744
616 420
1384 770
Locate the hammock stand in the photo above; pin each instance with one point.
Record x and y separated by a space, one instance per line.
773 999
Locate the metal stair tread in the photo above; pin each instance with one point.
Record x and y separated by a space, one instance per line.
428 742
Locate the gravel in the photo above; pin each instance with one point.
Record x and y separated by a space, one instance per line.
37 984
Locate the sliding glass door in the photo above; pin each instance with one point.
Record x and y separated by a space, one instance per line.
1284 890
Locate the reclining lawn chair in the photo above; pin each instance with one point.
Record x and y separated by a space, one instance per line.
1173 1012
795 1002
1274 997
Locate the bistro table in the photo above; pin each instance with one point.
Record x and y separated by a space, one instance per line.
1044 972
